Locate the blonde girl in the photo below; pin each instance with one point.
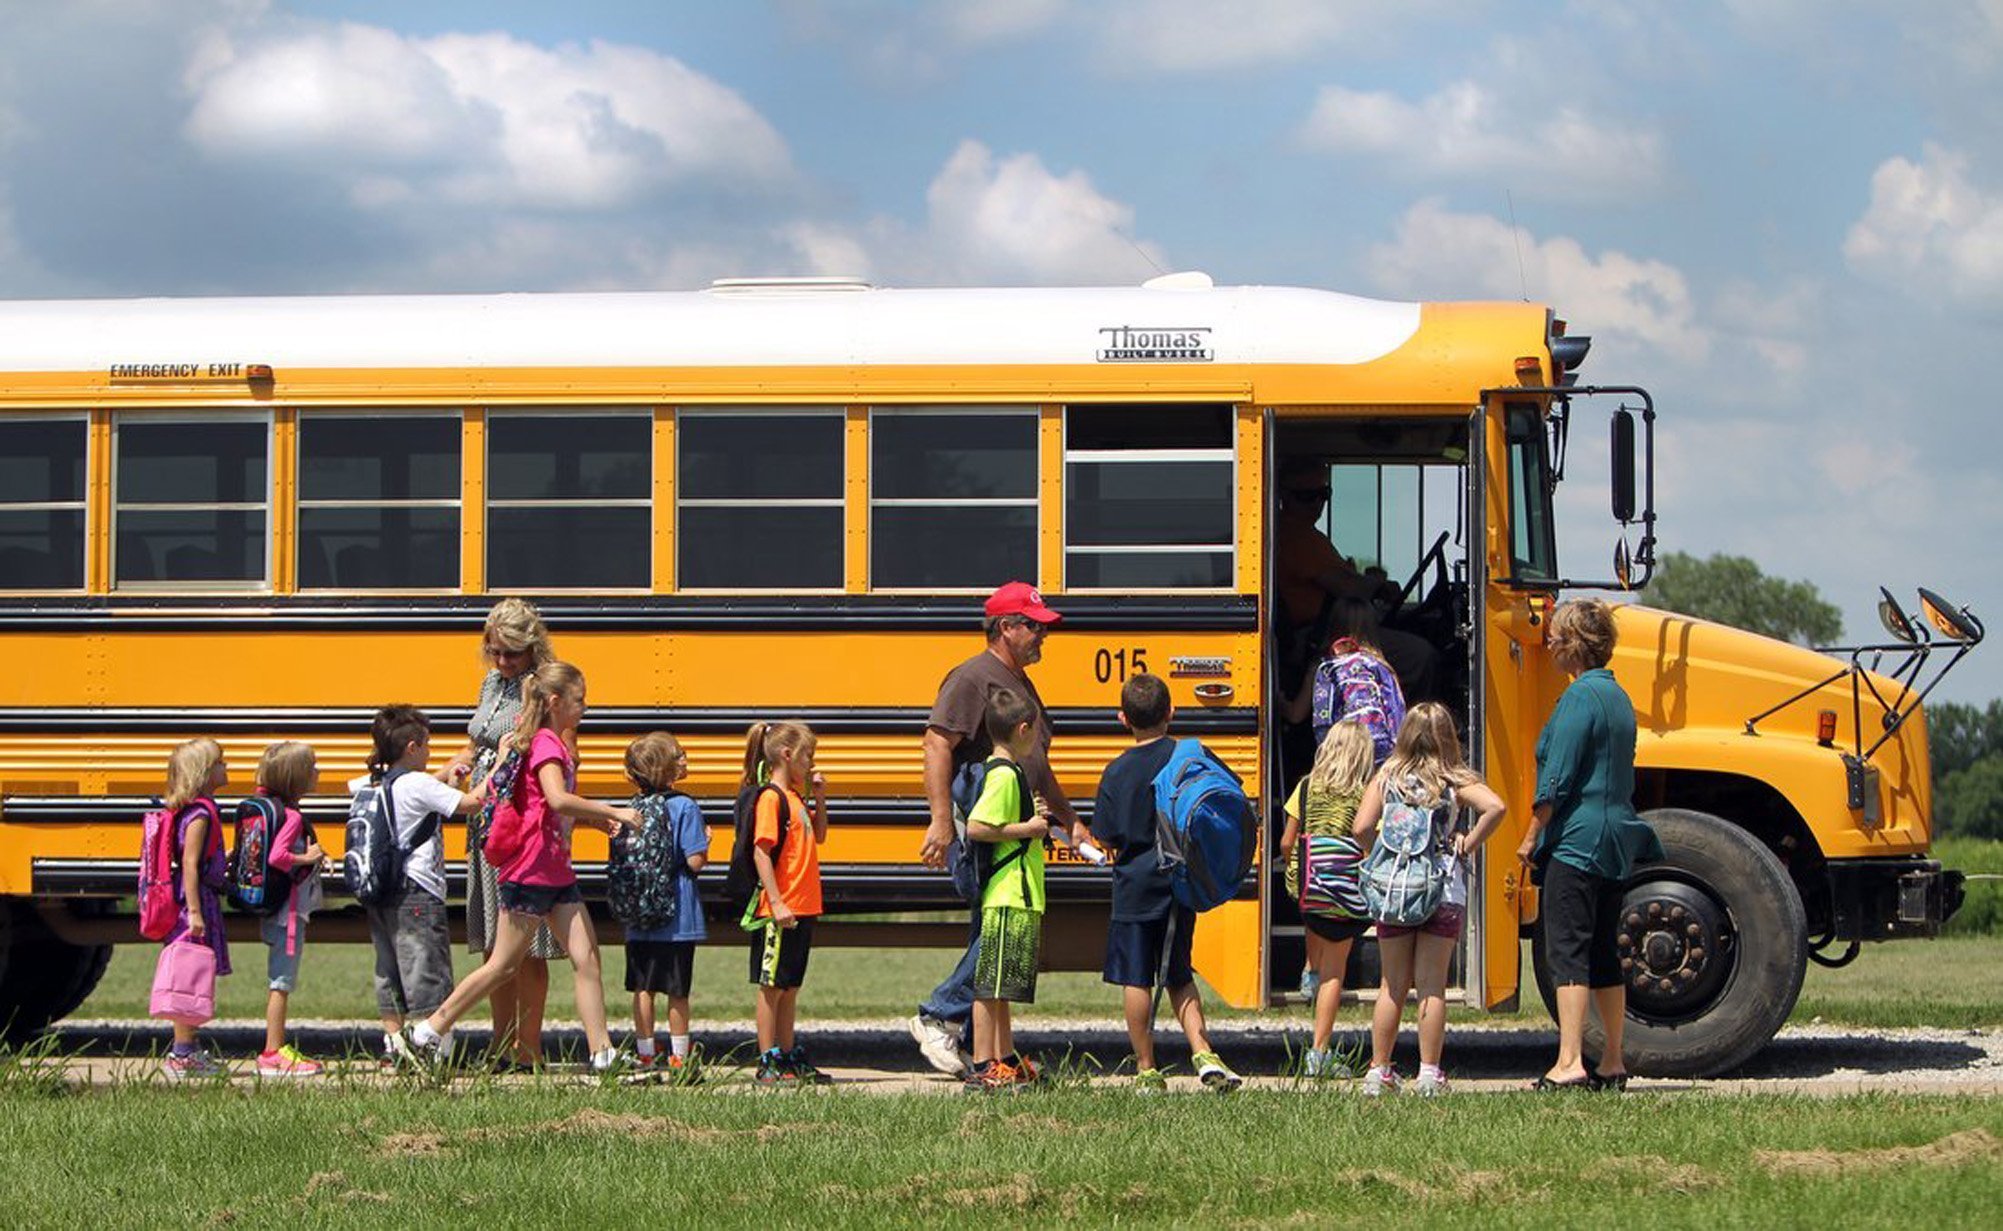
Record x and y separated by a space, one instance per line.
538 884
285 774
196 770
785 855
1325 805
1424 771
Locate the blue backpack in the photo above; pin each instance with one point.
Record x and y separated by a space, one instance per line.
1206 830
373 863
1404 878
641 876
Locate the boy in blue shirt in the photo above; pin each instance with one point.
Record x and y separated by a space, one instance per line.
1148 940
661 961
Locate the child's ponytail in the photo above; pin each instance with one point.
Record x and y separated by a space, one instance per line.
539 688
763 744
754 755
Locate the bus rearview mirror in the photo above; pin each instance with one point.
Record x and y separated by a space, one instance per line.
1623 465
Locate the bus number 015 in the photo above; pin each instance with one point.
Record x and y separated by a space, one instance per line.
1111 665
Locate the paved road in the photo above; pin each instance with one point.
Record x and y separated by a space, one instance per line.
879 1055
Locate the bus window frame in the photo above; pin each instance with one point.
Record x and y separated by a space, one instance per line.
1030 412
1526 514
81 505
595 410
838 412
1228 452
458 502
221 415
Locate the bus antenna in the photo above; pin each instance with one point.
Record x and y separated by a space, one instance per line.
1516 237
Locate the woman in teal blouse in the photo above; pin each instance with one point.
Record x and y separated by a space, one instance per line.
1583 841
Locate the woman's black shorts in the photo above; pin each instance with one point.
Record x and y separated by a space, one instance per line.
1581 921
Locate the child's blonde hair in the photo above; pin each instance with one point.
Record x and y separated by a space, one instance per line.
1428 752
287 770
1343 762
539 687
764 743
188 770
653 761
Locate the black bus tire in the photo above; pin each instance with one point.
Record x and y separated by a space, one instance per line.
1702 1015
44 978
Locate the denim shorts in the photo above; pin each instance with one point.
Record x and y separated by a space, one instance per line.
537 900
280 967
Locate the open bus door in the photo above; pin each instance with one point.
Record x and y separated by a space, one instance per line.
1406 500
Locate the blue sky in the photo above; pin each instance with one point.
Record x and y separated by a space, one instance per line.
1785 217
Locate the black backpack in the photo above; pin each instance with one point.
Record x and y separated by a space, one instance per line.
741 886
255 886
973 864
640 878
373 864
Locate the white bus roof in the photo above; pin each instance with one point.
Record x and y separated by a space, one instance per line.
747 324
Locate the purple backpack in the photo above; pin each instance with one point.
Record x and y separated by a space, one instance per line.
1353 684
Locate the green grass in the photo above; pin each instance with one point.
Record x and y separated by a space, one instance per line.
1982 913
545 1157
1949 982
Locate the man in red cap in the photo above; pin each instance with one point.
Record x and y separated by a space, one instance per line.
955 735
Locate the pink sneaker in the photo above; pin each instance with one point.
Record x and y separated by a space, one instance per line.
287 1062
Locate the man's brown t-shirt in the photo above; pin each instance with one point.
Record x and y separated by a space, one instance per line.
962 707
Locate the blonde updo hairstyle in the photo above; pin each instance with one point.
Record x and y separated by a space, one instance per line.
515 624
1582 634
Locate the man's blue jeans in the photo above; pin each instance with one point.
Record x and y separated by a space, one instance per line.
953 1000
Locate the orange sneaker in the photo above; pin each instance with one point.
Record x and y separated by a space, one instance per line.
1000 1075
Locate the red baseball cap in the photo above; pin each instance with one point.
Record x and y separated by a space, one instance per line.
1020 598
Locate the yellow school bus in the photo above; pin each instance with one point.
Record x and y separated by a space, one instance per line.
258 519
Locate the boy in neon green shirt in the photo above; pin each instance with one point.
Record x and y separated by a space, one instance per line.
1010 856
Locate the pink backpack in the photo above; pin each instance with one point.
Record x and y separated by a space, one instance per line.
158 857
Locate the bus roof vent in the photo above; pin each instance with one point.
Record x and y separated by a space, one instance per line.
1182 280
788 286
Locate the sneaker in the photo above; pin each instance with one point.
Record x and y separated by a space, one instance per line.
1026 1071
195 1064
287 1062
417 1055
1310 983
681 1070
1380 1081
396 1051
1150 1081
1325 1066
775 1070
1214 1073
804 1070
609 1062
999 1078
939 1043
1430 1082
976 1079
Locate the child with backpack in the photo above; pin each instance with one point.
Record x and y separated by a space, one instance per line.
1148 941
1010 875
1322 859
395 866
1415 879
1352 680
291 889
188 832
652 890
782 856
529 844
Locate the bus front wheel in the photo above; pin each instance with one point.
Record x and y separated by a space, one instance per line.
43 978
1713 946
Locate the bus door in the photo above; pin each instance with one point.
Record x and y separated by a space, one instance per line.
1403 510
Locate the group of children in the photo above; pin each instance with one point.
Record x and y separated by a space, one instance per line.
1149 938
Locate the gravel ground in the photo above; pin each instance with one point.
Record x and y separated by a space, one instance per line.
879 1055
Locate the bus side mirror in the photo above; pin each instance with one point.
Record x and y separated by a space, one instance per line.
1623 465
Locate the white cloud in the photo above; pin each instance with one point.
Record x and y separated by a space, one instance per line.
1930 228
1439 252
484 119
1466 131
1204 35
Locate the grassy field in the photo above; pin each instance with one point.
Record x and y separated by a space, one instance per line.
619 1157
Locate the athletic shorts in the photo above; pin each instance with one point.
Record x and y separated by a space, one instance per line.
1011 948
1581 922
779 955
281 969
537 900
1134 950
1336 930
1446 922
663 966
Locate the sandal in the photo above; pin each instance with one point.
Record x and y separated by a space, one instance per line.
1546 1085
1616 1082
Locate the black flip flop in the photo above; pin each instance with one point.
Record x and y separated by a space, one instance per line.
1545 1085
1616 1083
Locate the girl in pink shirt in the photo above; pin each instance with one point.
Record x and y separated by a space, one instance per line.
537 882
286 773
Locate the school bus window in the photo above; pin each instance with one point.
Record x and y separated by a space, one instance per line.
569 500
42 504
759 499
1148 497
378 502
952 498
1533 554
191 501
